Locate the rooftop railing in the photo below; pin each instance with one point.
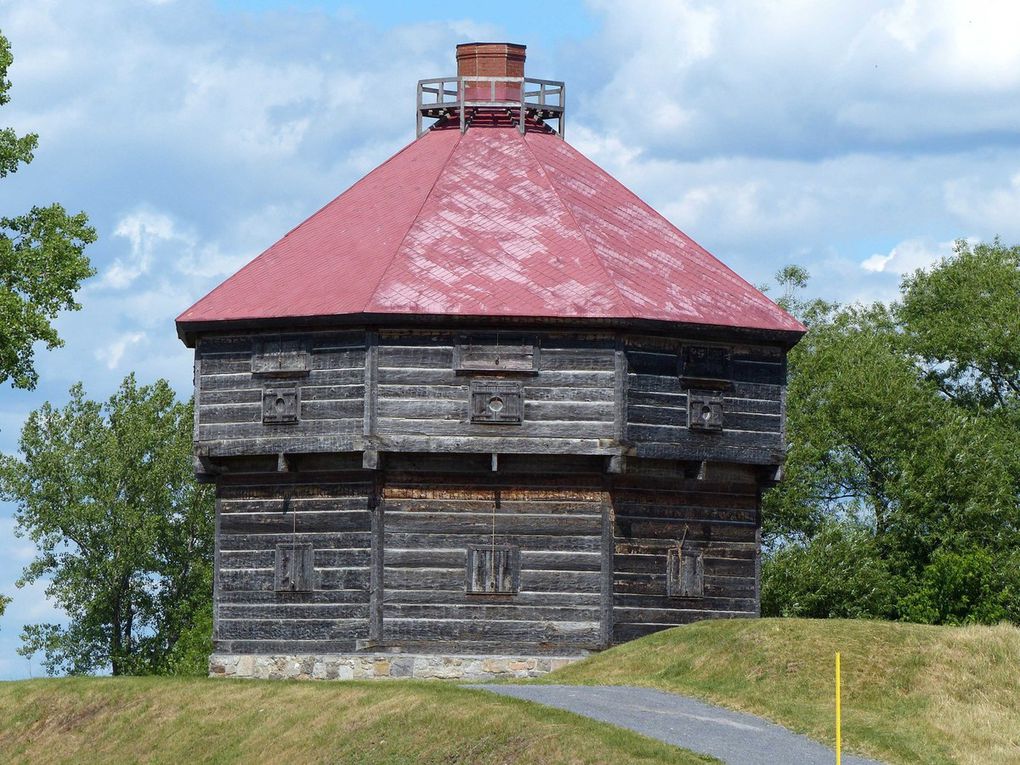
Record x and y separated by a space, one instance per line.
522 97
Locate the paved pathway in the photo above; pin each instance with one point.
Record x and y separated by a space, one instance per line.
732 737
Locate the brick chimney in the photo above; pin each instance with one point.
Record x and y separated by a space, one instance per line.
482 59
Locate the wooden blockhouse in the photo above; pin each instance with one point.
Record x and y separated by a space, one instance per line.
485 403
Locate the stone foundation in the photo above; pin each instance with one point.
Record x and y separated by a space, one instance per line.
382 666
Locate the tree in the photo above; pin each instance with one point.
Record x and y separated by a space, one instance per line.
42 261
107 493
903 419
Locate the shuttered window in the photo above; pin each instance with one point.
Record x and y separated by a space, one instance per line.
295 567
505 354
280 405
280 357
497 402
685 573
495 570
706 363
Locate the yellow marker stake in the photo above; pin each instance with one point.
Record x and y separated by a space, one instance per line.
839 721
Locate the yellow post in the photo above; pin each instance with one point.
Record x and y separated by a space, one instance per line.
839 720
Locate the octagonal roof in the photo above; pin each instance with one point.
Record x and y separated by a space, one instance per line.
491 222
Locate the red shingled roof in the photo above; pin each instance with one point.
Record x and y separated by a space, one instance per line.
489 223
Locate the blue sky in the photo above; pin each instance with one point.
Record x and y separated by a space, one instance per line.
856 139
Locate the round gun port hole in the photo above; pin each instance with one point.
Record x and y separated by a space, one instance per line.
280 404
495 404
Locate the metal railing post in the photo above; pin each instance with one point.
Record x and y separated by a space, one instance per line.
460 88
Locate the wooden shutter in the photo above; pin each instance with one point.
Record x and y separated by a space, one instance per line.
705 365
279 405
482 354
493 570
280 357
497 402
295 567
704 410
685 573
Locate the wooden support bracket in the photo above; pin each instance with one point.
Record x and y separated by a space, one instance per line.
770 475
205 464
370 459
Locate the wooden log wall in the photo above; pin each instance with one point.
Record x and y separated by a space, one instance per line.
330 510
753 405
554 515
595 483
229 397
656 509
422 400
585 396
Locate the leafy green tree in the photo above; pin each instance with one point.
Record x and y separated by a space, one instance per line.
125 535
42 260
975 585
837 574
904 418
962 320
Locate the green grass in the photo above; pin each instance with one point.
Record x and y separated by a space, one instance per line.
911 693
170 720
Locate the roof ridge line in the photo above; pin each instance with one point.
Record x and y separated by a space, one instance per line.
602 266
414 219
648 208
251 263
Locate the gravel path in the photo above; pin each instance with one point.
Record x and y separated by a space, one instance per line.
732 737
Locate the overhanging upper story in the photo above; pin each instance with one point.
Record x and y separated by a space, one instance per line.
489 232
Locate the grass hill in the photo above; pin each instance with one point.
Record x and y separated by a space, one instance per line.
171 720
911 693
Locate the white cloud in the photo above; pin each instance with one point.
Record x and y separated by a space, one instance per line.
145 231
986 203
795 77
16 550
113 352
956 44
908 256
604 149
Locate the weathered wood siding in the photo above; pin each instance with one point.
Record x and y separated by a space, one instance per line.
662 510
555 520
230 397
657 402
254 514
624 519
584 397
423 402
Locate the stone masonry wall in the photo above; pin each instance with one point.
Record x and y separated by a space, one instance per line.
383 666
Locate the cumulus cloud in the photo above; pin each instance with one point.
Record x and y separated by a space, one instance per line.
795 78
908 256
953 45
30 604
989 204
113 352
145 231
19 550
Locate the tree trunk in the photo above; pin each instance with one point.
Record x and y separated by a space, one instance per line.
115 642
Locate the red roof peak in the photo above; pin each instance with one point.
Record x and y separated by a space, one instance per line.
507 221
